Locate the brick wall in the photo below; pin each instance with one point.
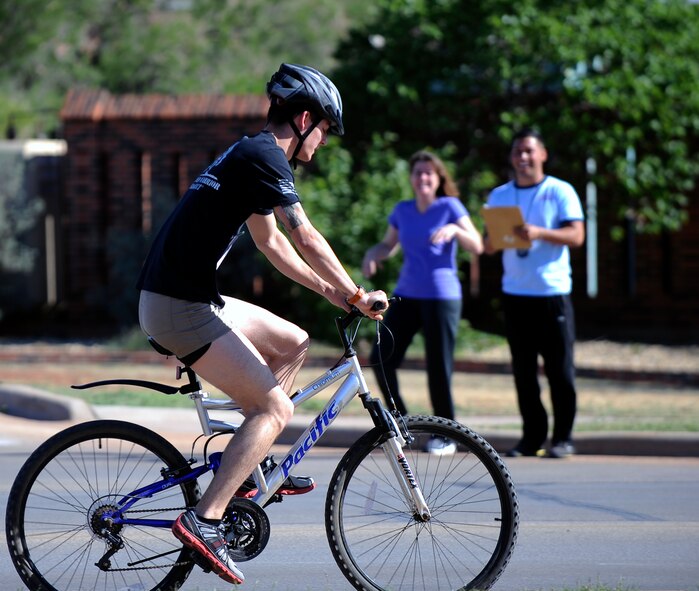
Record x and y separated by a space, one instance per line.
126 154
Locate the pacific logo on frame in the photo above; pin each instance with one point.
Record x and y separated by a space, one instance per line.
315 431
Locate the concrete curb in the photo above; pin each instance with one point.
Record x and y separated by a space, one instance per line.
33 404
347 430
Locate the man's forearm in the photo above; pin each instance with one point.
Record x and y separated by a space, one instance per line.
287 261
319 255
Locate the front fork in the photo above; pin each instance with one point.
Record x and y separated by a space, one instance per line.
393 448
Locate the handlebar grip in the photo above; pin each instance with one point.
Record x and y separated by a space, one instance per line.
379 305
382 305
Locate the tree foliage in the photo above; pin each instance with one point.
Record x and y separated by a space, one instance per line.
612 80
164 46
350 205
609 80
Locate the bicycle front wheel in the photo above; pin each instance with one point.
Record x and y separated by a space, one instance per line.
381 544
54 528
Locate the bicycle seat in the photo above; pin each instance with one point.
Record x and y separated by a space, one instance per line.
188 359
159 348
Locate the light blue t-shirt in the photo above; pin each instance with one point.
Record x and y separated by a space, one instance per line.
546 269
429 270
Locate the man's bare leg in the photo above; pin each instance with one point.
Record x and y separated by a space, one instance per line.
250 369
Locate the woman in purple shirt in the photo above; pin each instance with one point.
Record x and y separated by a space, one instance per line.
428 229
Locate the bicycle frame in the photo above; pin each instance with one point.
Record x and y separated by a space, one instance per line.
353 383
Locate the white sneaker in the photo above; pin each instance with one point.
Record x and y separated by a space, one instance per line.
439 446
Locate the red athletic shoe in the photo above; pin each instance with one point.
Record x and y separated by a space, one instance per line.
209 542
293 485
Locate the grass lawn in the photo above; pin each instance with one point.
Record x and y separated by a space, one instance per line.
602 404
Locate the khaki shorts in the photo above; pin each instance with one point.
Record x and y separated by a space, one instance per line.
181 326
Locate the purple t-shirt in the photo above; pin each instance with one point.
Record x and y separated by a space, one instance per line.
429 270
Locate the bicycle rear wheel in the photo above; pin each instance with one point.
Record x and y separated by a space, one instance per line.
380 544
53 525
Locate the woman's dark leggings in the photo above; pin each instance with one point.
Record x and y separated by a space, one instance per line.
439 321
542 326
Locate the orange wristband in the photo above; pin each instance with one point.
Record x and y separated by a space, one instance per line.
356 297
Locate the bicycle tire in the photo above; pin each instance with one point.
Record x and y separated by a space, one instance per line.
50 519
378 542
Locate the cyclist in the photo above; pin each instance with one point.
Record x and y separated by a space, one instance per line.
244 350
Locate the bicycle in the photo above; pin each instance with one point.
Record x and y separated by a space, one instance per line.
92 507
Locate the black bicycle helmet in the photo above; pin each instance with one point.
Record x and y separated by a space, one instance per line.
308 88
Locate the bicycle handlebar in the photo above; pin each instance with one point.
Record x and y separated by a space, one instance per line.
344 322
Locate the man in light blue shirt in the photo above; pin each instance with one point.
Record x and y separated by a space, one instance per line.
536 285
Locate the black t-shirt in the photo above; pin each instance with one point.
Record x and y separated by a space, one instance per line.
251 176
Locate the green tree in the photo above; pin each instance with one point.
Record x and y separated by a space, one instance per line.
155 46
609 79
350 205
24 25
248 39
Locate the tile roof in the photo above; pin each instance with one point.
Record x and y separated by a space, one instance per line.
94 104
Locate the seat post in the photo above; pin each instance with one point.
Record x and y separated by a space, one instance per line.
194 383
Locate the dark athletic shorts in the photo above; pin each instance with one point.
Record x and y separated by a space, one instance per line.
182 326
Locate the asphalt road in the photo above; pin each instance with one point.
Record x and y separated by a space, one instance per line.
619 521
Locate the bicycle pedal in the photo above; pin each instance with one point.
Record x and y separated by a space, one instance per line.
200 561
303 486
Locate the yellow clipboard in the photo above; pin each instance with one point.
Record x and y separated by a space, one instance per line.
500 223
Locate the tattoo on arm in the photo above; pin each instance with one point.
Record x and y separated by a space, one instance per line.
293 216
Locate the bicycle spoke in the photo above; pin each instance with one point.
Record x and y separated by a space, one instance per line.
67 493
379 541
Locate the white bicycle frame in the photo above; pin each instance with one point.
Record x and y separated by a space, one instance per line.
353 384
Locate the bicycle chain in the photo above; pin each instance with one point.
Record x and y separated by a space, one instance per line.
174 564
